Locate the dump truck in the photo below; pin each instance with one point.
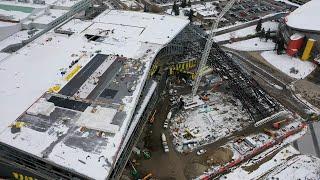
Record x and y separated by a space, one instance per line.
164 143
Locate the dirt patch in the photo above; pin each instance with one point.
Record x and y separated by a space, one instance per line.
309 91
194 169
220 156
259 163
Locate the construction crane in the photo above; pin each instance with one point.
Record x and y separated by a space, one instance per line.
208 46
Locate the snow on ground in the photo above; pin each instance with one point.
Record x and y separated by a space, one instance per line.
299 167
246 31
254 44
243 172
257 166
288 64
3 55
207 123
305 17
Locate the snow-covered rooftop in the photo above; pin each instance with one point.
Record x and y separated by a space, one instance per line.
59 4
46 16
134 35
306 17
158 29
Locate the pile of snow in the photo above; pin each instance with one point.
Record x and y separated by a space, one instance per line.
99 118
306 16
254 44
42 107
291 66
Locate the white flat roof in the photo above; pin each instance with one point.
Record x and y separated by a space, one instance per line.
28 74
306 17
76 25
45 18
16 3
15 15
159 29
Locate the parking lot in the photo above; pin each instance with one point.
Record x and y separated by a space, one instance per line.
205 12
248 10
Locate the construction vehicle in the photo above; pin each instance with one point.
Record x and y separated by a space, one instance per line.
164 143
134 172
146 154
151 120
278 124
208 46
148 176
165 124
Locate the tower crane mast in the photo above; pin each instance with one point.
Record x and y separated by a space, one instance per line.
208 46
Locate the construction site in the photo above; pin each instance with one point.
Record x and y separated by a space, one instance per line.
99 92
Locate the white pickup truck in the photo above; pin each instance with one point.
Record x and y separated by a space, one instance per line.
164 143
166 122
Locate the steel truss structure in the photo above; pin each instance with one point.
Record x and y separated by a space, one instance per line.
255 100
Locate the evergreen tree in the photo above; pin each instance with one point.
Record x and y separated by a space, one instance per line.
189 3
184 3
268 35
262 34
176 9
145 9
190 15
280 45
259 25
